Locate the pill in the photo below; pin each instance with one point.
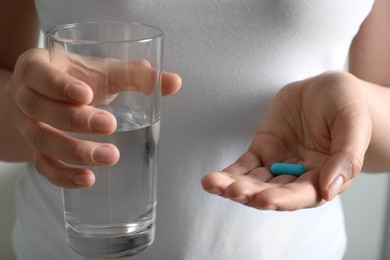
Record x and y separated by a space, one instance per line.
287 168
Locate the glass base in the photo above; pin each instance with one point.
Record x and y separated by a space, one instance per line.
110 247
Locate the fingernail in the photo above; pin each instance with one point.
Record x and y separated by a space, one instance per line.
336 187
79 93
242 200
270 207
105 154
215 191
83 179
102 123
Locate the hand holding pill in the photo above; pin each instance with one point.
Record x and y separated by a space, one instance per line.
310 144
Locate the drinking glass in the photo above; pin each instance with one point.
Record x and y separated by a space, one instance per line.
121 62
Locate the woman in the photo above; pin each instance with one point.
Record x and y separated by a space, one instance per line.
234 57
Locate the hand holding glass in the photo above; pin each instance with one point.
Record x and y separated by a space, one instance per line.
121 62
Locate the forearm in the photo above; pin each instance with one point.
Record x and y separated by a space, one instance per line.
377 158
13 146
369 60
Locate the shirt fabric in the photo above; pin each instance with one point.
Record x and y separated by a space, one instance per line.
233 56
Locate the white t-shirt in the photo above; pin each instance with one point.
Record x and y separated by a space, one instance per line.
233 56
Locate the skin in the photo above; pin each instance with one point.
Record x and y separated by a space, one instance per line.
40 101
334 123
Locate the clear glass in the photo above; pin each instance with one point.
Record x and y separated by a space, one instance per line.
122 64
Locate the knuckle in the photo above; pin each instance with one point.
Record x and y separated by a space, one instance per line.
26 62
143 76
39 165
38 138
79 153
355 164
53 170
73 118
32 102
55 80
50 175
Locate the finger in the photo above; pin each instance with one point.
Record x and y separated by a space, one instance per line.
259 175
243 191
137 76
60 175
244 164
170 83
246 187
349 145
36 72
120 76
56 144
140 76
282 179
302 193
336 174
83 119
216 182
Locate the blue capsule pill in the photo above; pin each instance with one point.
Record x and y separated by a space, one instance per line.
287 168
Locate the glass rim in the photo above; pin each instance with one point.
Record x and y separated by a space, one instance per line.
51 33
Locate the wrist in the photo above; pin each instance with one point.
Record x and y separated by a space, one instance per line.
377 98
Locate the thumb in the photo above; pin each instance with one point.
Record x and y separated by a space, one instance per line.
337 174
349 145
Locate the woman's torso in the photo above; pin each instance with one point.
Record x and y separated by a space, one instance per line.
233 57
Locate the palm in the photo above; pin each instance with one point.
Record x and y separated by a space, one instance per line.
304 125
